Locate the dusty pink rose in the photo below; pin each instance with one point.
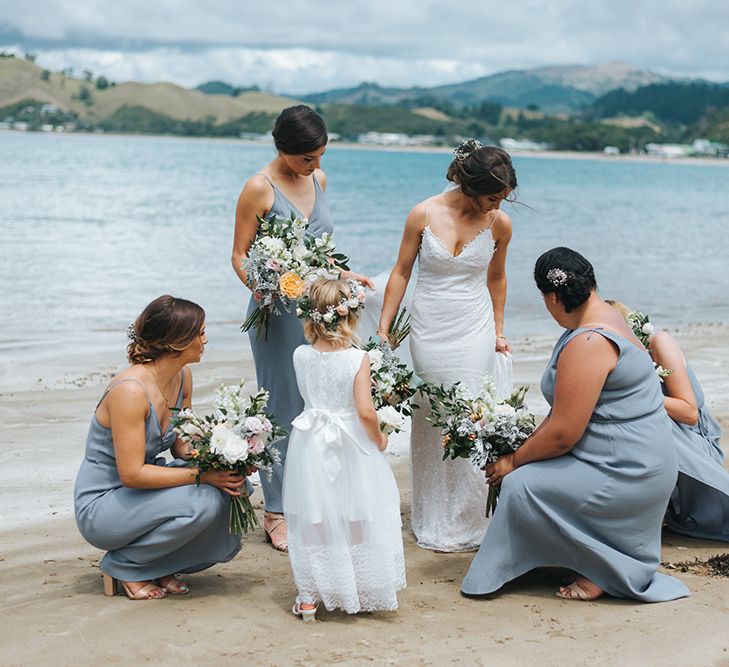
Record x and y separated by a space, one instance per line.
256 444
342 309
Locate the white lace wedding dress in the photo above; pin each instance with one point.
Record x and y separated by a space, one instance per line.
340 498
452 340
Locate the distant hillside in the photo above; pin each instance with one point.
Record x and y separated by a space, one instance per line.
222 88
551 89
22 80
675 102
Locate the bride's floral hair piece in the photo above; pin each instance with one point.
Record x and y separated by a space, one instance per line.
331 308
131 333
558 277
465 148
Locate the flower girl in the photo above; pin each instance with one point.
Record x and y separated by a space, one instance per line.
340 498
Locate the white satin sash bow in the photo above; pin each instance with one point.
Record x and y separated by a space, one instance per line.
329 433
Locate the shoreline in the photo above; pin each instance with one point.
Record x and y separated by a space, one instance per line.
541 154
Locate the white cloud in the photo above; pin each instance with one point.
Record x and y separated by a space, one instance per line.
304 45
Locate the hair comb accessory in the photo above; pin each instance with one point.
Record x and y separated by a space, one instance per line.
557 277
465 148
131 332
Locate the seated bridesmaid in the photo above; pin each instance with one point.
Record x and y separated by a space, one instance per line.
588 490
699 505
152 519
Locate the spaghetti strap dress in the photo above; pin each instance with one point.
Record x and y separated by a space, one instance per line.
274 357
148 533
699 505
598 509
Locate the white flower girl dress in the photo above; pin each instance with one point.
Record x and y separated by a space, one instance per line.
340 499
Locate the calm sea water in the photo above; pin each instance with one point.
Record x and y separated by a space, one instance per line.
93 227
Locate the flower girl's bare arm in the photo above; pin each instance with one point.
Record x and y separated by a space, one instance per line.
365 406
401 272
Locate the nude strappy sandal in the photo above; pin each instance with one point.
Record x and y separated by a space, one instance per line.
144 593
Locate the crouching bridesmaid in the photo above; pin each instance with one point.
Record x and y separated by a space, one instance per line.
152 518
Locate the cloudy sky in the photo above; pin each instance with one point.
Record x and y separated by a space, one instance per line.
300 46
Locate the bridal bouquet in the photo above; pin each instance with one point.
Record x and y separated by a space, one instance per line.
480 429
643 330
236 436
391 380
280 263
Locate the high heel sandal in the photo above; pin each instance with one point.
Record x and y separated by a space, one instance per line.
307 615
277 525
574 591
174 586
144 593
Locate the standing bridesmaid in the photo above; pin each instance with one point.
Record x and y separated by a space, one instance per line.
292 183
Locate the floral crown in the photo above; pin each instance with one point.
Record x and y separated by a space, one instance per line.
558 277
465 148
333 313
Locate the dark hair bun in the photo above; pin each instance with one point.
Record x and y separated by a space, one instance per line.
166 326
566 273
482 171
298 130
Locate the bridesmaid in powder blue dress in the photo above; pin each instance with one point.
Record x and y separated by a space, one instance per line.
152 519
291 183
699 505
589 489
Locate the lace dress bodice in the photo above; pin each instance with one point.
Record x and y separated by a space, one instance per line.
326 379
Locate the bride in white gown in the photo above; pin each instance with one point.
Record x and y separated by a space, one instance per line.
460 238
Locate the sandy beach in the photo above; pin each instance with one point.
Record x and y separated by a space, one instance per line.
55 613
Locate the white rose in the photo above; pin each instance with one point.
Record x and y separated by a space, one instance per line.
300 252
235 449
328 317
254 425
219 438
504 409
375 359
353 303
390 419
647 329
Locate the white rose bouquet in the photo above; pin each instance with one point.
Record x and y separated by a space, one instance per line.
392 382
282 261
237 436
479 429
643 330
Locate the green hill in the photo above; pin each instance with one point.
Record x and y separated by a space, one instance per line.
22 80
674 102
560 90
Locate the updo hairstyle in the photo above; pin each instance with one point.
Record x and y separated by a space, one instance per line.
323 295
483 170
566 273
166 326
299 130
